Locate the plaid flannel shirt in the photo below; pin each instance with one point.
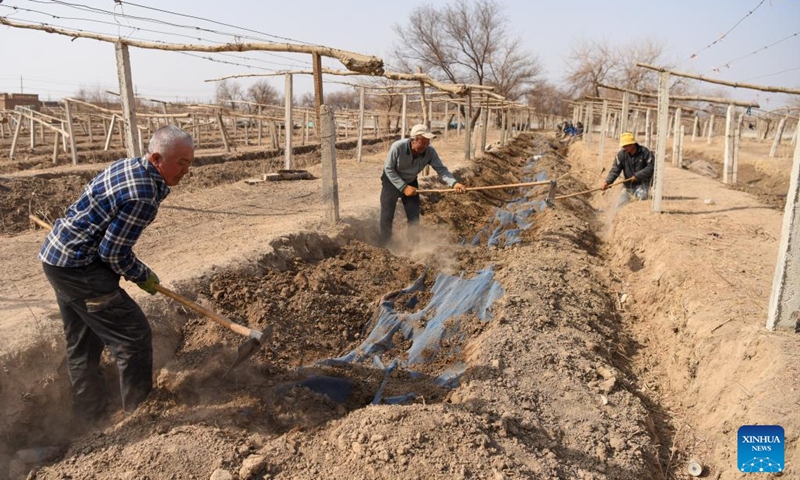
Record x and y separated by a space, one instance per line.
108 219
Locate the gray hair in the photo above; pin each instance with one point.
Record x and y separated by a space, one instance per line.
166 137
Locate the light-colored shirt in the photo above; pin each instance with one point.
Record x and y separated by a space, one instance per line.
402 167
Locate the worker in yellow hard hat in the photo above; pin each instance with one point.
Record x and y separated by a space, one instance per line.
636 163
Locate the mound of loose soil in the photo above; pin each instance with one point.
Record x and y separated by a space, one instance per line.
547 390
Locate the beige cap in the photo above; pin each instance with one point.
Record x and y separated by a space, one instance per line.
421 129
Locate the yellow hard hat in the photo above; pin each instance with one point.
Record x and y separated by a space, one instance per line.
626 139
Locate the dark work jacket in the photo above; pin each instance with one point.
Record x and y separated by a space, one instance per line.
640 165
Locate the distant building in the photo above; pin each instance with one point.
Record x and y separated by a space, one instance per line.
10 100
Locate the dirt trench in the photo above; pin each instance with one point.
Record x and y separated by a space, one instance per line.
547 389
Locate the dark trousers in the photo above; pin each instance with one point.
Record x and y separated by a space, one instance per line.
97 313
389 196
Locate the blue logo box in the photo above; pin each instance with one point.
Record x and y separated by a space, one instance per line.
761 449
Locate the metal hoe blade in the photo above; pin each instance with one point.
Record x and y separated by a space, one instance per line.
551 194
249 347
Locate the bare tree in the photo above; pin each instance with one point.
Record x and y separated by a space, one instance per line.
263 93
589 63
547 99
306 100
342 99
466 42
228 92
628 75
512 72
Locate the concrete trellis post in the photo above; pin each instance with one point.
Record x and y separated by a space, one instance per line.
127 100
603 127
446 119
737 140
33 133
675 133
360 143
503 126
71 132
648 129
623 126
330 182
260 127
289 124
587 133
468 129
710 130
784 302
305 127
17 129
681 132
727 164
485 120
661 144
695 125
404 120
778 136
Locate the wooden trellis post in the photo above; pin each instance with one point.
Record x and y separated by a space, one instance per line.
316 61
330 185
223 132
423 104
17 129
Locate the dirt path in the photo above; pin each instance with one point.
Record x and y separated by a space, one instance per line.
624 343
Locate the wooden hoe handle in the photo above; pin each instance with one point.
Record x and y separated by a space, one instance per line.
223 321
490 187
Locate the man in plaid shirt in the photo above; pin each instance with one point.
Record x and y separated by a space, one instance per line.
88 251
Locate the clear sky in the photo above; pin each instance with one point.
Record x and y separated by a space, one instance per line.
56 66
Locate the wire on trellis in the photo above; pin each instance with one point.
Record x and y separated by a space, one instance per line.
721 37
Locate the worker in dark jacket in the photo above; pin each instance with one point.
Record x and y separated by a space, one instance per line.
86 254
636 163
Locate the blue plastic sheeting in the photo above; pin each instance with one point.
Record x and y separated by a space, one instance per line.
427 328
338 389
509 221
